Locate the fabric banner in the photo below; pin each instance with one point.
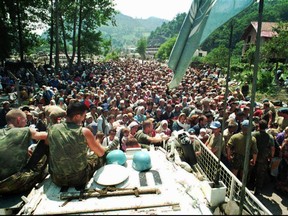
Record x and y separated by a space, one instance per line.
204 17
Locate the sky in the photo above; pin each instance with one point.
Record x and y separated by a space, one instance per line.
165 9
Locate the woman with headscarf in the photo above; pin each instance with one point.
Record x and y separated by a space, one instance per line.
180 123
140 117
163 128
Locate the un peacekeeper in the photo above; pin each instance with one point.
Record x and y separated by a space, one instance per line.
69 141
19 172
236 148
144 137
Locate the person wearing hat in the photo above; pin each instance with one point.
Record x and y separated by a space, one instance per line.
239 117
236 149
267 113
102 122
93 112
5 109
227 133
69 141
282 119
272 108
90 123
21 169
214 142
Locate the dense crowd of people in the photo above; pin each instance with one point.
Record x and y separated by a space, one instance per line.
127 103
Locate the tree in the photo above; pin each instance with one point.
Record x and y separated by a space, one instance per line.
218 56
18 18
141 48
165 49
276 48
166 31
78 23
249 55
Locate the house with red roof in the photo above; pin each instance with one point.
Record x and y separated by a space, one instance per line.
249 36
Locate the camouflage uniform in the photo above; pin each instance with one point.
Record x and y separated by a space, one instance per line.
69 164
14 178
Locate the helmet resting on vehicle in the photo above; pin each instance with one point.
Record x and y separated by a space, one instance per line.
141 161
116 157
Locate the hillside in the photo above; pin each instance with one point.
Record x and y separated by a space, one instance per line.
129 30
274 11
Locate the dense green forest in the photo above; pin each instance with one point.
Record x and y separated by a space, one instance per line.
274 11
77 29
72 28
217 45
128 30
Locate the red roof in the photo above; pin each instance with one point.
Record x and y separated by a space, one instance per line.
266 29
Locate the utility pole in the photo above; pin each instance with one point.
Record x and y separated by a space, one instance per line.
248 139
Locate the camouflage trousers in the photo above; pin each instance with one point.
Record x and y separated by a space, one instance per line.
258 174
82 178
24 181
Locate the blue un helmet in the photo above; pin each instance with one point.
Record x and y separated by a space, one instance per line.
116 157
141 161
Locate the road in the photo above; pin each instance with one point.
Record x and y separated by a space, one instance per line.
275 201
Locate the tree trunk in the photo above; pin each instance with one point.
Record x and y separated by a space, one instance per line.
57 37
20 35
69 59
79 33
51 34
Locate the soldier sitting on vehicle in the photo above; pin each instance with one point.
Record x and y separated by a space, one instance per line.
69 141
18 172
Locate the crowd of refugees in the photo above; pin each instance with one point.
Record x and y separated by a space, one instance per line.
125 104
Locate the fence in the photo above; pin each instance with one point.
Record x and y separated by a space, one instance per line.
208 163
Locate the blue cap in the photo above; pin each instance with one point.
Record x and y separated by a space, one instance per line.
245 123
215 125
105 106
283 110
191 130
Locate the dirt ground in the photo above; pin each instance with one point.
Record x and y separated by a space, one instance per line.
275 201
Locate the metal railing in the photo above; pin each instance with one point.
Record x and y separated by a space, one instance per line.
208 163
